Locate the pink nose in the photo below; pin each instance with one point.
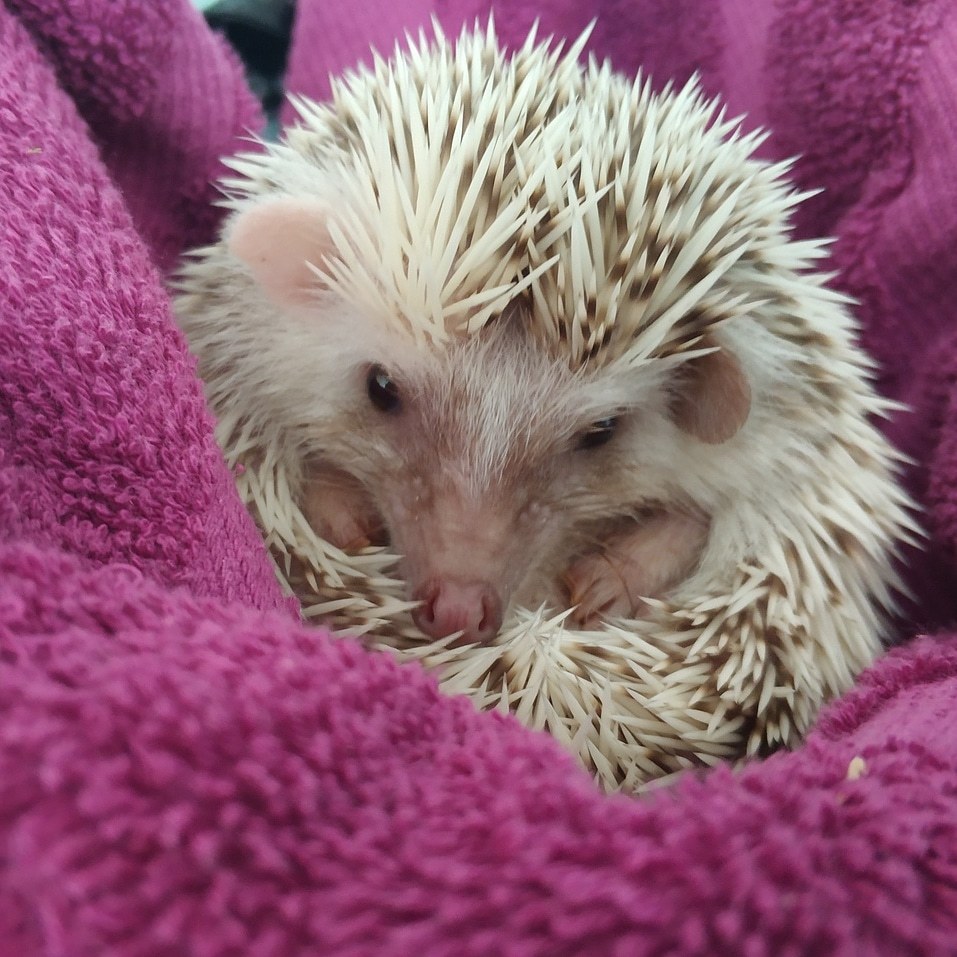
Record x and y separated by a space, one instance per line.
449 606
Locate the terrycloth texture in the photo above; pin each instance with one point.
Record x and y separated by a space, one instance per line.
161 99
185 771
186 778
104 442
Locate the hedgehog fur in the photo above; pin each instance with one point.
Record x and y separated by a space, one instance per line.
638 228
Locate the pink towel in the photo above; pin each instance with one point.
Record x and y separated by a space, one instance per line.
184 769
105 442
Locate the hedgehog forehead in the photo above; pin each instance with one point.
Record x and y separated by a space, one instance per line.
495 409
492 407
502 372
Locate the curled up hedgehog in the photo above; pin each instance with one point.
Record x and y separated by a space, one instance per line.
524 377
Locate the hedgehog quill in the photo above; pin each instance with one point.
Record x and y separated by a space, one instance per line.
529 382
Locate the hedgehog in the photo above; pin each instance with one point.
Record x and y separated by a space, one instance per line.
524 377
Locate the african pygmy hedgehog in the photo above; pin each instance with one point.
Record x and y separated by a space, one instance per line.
544 334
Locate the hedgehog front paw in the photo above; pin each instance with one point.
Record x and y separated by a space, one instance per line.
339 510
645 562
598 589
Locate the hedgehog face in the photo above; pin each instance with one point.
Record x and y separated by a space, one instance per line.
490 466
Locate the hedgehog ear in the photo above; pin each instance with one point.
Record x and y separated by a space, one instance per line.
278 239
715 398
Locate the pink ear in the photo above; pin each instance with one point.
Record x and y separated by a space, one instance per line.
715 397
277 239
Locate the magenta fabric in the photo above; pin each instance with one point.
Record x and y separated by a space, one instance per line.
187 770
105 443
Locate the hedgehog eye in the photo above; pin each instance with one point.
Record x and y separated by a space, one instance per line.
382 389
598 433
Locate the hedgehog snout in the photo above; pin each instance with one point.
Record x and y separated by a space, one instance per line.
449 605
462 556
